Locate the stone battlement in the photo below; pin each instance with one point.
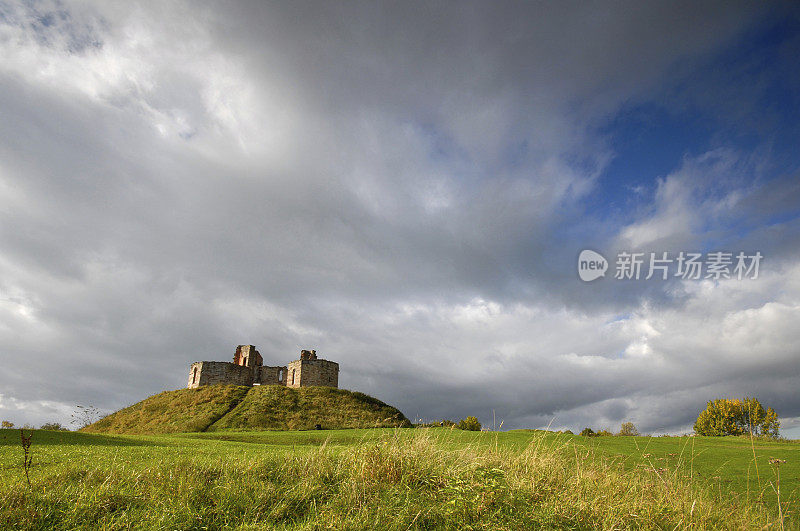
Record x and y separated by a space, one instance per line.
247 369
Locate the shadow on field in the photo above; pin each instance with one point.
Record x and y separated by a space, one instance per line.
293 438
10 437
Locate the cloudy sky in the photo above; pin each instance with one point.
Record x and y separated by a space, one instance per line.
405 187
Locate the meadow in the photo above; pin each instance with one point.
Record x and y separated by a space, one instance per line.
432 478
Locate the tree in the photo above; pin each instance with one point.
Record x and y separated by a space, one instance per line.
85 415
628 429
588 432
726 416
771 426
469 424
7 424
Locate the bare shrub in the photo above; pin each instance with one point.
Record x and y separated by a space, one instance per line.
85 416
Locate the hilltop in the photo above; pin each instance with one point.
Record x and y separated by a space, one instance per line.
266 407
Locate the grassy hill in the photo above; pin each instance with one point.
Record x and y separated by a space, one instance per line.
268 407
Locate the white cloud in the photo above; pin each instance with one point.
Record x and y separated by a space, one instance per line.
701 192
35 412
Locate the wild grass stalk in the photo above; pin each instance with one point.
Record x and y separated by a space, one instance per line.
27 457
776 465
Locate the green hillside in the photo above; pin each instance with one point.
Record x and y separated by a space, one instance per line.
268 407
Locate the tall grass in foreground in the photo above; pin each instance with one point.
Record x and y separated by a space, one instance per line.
397 482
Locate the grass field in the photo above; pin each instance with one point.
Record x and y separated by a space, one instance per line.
394 479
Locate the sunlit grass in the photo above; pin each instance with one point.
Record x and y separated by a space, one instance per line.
373 479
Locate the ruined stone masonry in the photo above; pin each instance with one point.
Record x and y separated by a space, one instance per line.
248 369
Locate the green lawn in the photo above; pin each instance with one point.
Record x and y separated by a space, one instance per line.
726 464
393 479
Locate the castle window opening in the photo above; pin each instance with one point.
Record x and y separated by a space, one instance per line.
280 375
293 371
194 376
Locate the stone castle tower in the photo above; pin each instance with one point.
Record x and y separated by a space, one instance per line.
248 369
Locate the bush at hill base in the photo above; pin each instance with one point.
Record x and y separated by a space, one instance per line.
469 424
737 417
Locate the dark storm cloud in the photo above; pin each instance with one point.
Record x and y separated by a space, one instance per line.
401 186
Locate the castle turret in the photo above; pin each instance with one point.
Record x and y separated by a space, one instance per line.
311 371
247 356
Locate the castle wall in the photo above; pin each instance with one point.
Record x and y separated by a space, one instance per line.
312 372
294 371
272 375
219 372
320 372
246 369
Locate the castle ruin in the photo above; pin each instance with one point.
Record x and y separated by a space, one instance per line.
247 369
